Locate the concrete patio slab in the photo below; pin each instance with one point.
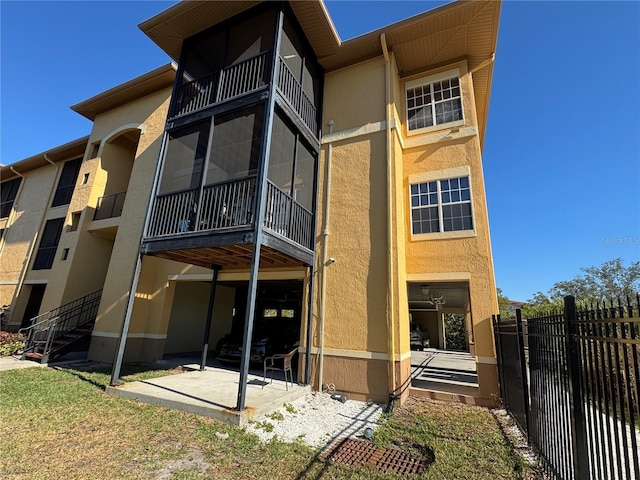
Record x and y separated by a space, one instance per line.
211 393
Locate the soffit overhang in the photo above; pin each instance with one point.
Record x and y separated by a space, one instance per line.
68 151
171 27
151 82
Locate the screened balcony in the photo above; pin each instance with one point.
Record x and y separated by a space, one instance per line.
234 60
209 179
242 79
231 82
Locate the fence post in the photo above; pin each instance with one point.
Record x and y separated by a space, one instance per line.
576 398
496 334
523 370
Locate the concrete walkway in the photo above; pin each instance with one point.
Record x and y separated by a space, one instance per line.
447 372
13 362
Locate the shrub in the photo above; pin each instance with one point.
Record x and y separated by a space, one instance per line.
11 343
454 326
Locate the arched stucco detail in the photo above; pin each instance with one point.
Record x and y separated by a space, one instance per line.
121 130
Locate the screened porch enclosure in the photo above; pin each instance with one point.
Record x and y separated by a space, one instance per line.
196 195
244 108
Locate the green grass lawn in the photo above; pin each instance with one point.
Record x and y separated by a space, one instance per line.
60 424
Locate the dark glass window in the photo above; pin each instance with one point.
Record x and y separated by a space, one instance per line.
291 50
186 152
289 153
48 244
8 192
235 148
203 55
67 183
304 182
251 37
283 145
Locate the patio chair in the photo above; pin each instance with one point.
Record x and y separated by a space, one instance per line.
279 362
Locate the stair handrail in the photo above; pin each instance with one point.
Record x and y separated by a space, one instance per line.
60 320
31 331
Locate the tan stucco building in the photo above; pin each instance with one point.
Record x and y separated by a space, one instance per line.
331 194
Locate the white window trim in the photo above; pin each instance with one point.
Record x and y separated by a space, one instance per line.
429 79
435 176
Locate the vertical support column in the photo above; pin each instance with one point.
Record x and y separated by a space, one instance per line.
248 326
307 359
207 327
117 362
261 197
576 402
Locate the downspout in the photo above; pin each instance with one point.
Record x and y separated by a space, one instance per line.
325 245
389 185
489 60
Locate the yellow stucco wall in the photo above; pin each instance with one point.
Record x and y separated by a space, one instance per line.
91 249
356 319
22 237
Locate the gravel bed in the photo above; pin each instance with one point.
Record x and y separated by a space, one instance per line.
317 420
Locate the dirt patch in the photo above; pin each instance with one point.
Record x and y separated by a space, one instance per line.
194 460
520 446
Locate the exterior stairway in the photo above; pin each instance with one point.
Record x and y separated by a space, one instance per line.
58 331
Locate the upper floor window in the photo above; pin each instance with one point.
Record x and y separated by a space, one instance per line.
67 183
8 192
441 206
433 101
48 244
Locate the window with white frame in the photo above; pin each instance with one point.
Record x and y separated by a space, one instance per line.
434 103
441 206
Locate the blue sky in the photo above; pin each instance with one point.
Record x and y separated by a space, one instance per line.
562 150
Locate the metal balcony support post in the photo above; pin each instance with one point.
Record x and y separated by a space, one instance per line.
260 201
117 362
307 359
207 327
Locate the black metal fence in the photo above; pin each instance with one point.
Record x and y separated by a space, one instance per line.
570 380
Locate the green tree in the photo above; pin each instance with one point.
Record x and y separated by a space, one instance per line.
503 305
454 326
541 305
608 281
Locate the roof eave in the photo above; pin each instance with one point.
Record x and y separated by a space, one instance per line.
150 82
67 151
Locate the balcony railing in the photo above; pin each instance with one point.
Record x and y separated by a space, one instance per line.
293 92
110 206
173 213
235 80
195 95
243 77
288 218
227 205
230 205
